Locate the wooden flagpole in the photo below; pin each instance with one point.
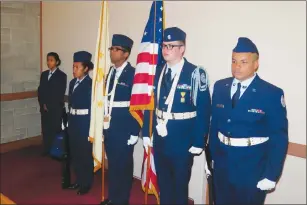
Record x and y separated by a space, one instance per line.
148 158
102 173
103 93
150 120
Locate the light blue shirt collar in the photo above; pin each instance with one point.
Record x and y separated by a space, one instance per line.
120 69
175 68
81 79
52 72
244 85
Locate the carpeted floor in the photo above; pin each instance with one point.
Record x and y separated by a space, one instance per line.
29 178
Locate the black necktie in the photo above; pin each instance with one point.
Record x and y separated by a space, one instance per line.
168 78
76 85
236 96
112 80
50 74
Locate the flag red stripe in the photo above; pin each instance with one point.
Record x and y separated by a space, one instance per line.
153 179
143 78
140 99
140 113
151 175
152 59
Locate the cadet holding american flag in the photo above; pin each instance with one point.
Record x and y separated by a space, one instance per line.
181 118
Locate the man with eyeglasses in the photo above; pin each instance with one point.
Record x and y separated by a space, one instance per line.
121 130
181 118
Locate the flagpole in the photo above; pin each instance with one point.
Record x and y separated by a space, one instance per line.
103 93
148 158
150 118
102 172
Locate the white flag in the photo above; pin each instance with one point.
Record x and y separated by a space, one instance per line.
101 66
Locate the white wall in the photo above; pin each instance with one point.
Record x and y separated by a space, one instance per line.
277 28
69 27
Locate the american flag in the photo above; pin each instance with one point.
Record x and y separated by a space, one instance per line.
149 57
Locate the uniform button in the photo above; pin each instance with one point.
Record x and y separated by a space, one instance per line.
229 120
164 97
229 133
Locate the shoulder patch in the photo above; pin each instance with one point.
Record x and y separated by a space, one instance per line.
203 78
199 82
204 82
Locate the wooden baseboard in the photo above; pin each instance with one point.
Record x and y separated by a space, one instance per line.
18 96
297 150
11 146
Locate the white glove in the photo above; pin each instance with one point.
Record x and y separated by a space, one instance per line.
147 142
266 184
207 171
195 150
63 126
133 139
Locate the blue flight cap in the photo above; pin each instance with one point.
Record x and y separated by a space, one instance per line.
174 34
122 40
245 45
82 56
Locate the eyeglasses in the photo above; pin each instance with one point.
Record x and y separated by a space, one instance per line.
170 46
117 49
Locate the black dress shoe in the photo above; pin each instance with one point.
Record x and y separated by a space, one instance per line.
73 186
83 190
106 202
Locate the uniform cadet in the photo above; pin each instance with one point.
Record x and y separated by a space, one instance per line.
181 119
121 129
51 93
80 89
249 131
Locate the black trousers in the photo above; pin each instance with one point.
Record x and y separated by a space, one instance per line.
173 173
82 159
120 168
51 124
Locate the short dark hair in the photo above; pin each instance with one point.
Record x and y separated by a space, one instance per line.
183 42
56 57
88 64
127 49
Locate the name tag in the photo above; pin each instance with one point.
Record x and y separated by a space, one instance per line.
220 105
256 111
123 84
183 87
